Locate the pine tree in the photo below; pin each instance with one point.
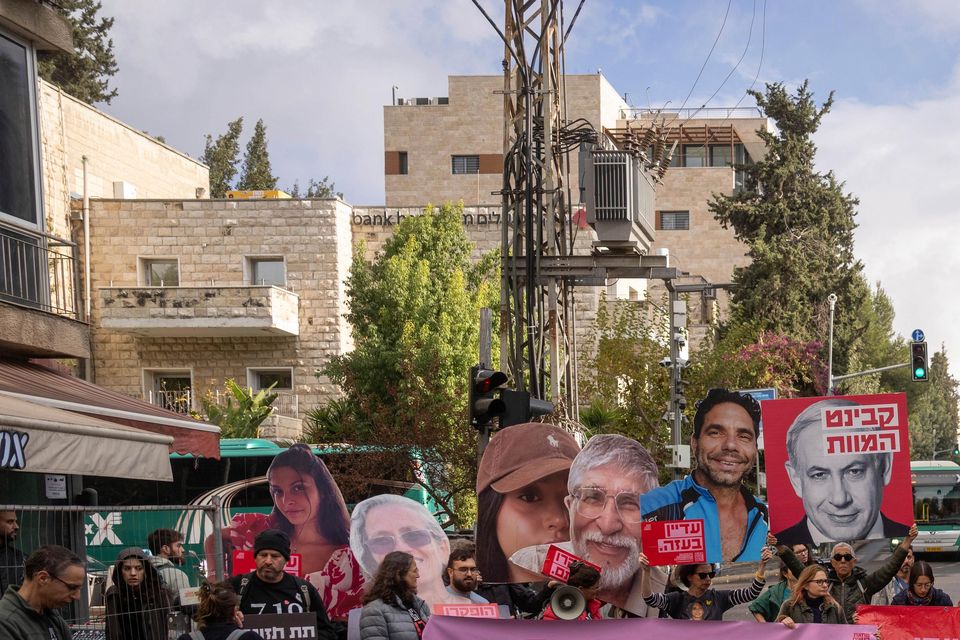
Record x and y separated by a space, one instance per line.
256 163
221 156
86 73
798 226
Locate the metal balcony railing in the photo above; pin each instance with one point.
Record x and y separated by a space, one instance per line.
180 401
703 113
39 271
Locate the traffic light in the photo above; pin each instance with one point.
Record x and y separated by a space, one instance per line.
520 407
484 406
918 361
956 449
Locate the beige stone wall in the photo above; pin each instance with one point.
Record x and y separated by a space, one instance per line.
211 238
116 152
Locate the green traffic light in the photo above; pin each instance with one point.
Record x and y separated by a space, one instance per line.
920 372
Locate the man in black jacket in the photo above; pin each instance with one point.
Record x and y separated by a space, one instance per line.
270 589
11 558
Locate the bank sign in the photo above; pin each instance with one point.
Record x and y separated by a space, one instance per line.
13 449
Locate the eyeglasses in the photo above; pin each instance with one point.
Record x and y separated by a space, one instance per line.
843 557
822 582
71 587
703 575
386 544
467 570
922 585
591 501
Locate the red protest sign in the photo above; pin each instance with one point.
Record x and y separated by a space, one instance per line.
557 563
244 561
905 623
674 542
467 610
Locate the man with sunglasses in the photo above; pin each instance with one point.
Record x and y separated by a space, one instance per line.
850 585
724 445
53 578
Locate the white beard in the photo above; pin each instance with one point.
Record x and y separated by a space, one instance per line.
612 577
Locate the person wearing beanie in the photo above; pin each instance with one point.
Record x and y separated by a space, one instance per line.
136 603
270 589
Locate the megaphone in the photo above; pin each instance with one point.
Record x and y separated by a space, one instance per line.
568 603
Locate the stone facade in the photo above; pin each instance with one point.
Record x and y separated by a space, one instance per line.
212 240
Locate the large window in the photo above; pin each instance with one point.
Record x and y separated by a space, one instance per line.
19 166
465 164
694 155
266 270
160 272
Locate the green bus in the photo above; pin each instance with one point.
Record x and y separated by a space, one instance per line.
238 480
936 505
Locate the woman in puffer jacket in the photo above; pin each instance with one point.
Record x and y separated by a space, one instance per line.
921 592
811 601
392 610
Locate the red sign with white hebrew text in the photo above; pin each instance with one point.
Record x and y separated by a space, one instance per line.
674 542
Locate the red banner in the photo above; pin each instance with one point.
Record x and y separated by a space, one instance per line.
467 610
674 542
907 623
244 561
838 468
557 563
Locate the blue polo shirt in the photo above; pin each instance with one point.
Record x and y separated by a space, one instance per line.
686 500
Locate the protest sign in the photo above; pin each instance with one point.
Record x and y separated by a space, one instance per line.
467 610
557 563
904 623
670 542
282 626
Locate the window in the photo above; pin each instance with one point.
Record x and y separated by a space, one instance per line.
674 220
170 389
262 379
403 163
721 155
160 272
19 166
266 270
740 156
465 164
693 155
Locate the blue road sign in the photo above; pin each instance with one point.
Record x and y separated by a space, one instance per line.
917 335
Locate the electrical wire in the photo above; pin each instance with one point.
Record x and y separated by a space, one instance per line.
763 45
704 66
753 19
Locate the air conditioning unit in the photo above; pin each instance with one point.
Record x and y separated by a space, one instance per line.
620 198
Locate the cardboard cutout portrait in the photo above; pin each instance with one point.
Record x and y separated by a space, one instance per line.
521 487
838 468
606 481
310 509
386 523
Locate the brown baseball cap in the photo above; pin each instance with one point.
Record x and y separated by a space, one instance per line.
524 453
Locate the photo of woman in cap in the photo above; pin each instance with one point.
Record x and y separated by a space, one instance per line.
521 484
309 508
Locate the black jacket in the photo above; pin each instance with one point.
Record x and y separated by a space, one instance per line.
11 567
800 532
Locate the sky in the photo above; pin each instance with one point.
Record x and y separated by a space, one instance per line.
318 72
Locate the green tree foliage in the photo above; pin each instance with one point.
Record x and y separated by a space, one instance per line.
798 225
241 412
414 315
257 173
316 189
933 415
221 156
86 73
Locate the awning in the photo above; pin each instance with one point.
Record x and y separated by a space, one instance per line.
42 385
39 439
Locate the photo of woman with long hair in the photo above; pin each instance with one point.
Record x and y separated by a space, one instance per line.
309 508
521 484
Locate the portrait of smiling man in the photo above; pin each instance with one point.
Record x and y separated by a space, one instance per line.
724 447
841 493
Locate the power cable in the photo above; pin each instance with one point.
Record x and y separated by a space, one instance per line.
704 65
763 44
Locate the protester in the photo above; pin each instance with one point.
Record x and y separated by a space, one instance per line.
270 589
166 545
587 580
521 486
136 603
724 445
811 601
309 509
697 578
899 583
921 592
386 523
463 575
53 577
803 553
392 610
850 585
11 558
218 617
766 608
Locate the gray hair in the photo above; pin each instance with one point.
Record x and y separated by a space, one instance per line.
358 521
626 454
812 417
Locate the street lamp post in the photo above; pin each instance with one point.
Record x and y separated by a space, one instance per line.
832 299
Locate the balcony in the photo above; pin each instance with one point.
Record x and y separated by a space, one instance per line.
216 312
182 401
40 295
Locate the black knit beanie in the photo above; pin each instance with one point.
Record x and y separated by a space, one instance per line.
272 539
